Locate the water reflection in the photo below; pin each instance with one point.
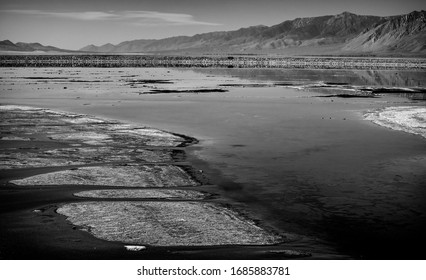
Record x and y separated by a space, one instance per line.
414 96
388 78
315 168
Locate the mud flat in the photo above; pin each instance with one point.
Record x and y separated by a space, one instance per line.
109 183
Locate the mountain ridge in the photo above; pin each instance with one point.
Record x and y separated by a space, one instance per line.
342 34
407 33
7 45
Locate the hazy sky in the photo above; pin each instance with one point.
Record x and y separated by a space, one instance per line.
73 24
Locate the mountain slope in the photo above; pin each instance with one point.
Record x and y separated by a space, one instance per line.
7 45
325 30
342 34
405 33
315 31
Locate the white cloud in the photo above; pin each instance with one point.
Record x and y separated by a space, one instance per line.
152 17
132 17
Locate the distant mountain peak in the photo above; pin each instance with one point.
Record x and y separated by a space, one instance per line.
346 13
7 42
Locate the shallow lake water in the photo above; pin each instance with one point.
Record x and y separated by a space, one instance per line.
302 163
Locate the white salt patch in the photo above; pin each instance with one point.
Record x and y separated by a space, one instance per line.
86 137
60 113
290 253
410 119
15 138
297 87
134 248
83 120
121 126
18 107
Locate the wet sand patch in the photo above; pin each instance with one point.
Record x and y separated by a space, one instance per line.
13 159
167 223
91 138
9 126
143 194
80 120
125 176
36 157
150 137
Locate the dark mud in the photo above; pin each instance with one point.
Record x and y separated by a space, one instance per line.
348 95
157 91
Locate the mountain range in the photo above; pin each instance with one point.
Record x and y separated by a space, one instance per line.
7 45
342 34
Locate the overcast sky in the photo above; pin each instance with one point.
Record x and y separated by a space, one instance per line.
73 24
